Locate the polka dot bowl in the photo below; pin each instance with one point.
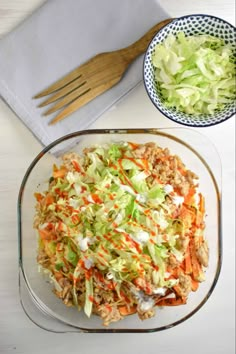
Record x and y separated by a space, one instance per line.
190 25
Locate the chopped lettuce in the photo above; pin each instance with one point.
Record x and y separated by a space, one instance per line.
88 296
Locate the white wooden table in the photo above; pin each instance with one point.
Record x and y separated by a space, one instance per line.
209 331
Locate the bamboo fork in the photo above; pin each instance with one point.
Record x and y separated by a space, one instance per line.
93 77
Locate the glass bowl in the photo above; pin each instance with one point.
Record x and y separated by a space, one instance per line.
190 25
37 298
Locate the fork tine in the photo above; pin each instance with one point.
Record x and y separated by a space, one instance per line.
81 101
68 99
63 91
73 75
59 84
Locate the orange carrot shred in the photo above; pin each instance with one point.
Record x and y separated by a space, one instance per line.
125 310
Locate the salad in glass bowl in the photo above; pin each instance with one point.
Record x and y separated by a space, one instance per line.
122 225
121 230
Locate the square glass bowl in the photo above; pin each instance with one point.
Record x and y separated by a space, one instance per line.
37 298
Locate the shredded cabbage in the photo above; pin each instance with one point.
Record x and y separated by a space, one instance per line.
195 74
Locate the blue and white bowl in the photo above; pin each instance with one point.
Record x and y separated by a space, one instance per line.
190 25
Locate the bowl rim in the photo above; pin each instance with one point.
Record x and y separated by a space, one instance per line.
21 272
144 76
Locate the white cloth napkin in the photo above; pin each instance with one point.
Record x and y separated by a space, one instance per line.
58 37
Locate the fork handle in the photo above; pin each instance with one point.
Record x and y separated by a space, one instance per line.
139 47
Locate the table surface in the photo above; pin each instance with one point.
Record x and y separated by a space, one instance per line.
211 330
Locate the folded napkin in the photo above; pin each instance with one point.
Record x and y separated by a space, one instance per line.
58 37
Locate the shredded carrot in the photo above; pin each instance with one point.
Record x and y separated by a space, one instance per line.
189 198
201 212
59 173
187 261
174 272
201 203
38 196
75 219
96 198
48 199
76 165
195 285
187 215
127 310
60 226
45 234
172 302
133 145
199 219
182 171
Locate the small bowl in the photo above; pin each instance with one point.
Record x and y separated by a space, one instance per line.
191 25
37 298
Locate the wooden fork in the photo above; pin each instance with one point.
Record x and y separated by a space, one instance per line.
93 77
